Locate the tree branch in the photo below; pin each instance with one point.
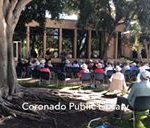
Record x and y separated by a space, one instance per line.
5 7
13 4
9 13
19 7
1 8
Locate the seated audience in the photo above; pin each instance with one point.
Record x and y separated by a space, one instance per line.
75 64
99 68
42 63
34 63
118 81
45 70
68 63
133 67
126 66
83 70
144 66
90 64
48 64
138 89
108 67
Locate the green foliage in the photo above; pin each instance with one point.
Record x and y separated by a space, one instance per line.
143 13
102 14
67 45
139 10
36 10
71 6
86 11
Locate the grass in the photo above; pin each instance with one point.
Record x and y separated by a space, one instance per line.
122 123
87 87
35 83
93 89
126 123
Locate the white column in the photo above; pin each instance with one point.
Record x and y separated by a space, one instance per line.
60 41
44 43
89 44
28 41
75 44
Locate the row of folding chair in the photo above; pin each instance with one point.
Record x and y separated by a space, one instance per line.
23 72
72 71
93 77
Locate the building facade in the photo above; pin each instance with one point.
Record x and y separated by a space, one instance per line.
64 36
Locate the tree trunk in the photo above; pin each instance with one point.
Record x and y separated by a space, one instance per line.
106 44
139 56
3 59
147 51
9 15
11 70
3 55
102 43
8 79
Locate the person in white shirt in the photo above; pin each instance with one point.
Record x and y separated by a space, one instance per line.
109 67
125 67
75 64
138 89
142 68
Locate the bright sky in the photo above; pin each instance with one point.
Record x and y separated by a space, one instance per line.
69 17
65 16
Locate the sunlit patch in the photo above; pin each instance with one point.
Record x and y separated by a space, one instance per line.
5 25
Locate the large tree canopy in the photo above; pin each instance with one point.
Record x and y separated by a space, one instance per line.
36 10
106 15
103 15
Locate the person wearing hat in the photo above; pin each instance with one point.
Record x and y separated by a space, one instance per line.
133 67
99 68
84 69
138 89
117 80
141 88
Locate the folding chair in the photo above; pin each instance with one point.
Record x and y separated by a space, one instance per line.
134 74
36 73
45 76
127 75
61 77
142 103
99 77
75 70
109 73
86 77
69 72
